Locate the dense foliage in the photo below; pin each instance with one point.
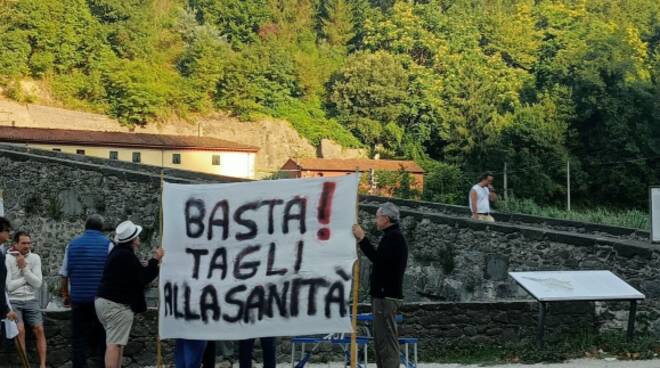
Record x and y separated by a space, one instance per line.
459 85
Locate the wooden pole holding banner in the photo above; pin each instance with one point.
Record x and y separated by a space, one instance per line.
356 294
568 185
356 286
506 183
159 353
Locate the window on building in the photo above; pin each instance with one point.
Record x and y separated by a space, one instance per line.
176 158
137 157
57 149
80 151
215 160
114 155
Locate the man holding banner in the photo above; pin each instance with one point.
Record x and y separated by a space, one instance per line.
389 262
257 259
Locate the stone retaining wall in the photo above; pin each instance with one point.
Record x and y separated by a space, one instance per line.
456 259
517 219
438 326
50 194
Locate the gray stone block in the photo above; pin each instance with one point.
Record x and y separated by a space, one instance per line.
497 267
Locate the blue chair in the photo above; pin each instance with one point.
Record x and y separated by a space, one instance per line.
334 339
405 357
345 342
304 356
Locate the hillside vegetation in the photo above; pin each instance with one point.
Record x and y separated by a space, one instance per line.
458 85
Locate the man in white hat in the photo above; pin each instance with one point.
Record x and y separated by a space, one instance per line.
121 292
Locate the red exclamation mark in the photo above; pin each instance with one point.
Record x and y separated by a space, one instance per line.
325 209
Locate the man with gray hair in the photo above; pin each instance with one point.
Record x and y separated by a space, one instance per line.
389 262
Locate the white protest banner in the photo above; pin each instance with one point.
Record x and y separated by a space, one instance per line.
255 259
654 203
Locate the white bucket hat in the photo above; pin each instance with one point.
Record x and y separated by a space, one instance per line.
127 231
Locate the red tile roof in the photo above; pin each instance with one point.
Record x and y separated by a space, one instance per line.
320 164
118 139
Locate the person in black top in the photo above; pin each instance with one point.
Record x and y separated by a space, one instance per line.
5 312
121 291
389 261
268 350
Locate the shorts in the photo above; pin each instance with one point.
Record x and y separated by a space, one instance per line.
28 312
117 320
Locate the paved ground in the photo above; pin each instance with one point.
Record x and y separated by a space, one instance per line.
580 363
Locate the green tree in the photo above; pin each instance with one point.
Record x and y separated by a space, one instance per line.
338 23
606 66
237 20
368 96
256 80
410 29
534 148
43 37
445 183
130 26
202 65
134 93
509 29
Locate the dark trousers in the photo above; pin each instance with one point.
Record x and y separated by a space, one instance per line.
246 347
87 334
386 335
208 361
189 353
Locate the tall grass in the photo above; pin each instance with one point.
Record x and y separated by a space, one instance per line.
626 218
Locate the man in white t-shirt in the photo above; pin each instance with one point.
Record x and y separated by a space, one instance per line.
480 197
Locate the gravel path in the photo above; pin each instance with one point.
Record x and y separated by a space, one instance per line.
580 363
